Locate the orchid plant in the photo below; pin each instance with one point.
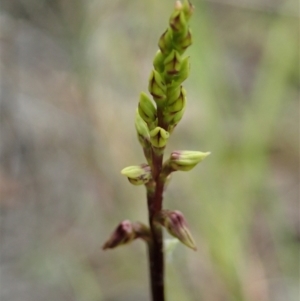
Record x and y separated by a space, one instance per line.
155 121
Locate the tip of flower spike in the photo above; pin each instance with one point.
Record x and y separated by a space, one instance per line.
178 5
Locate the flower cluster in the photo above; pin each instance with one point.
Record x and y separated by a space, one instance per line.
154 122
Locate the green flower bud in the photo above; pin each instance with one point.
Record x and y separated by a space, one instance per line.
142 130
159 137
179 104
157 87
165 41
180 77
176 225
186 160
138 174
173 94
158 62
173 63
146 108
174 119
123 234
184 71
184 42
178 22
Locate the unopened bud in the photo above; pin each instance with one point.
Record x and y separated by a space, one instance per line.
184 71
158 62
146 108
159 137
126 232
123 234
178 21
165 41
186 160
173 63
179 104
176 225
142 130
184 42
138 174
157 87
173 94
176 118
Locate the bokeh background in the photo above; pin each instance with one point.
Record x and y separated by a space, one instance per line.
70 75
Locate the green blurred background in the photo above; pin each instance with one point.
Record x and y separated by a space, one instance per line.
70 75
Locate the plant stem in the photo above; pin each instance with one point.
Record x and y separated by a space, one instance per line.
156 264
155 251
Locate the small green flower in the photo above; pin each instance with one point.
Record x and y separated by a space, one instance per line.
183 73
137 174
158 62
186 160
184 42
179 104
157 87
165 41
173 63
146 109
142 130
178 21
159 137
175 119
173 94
